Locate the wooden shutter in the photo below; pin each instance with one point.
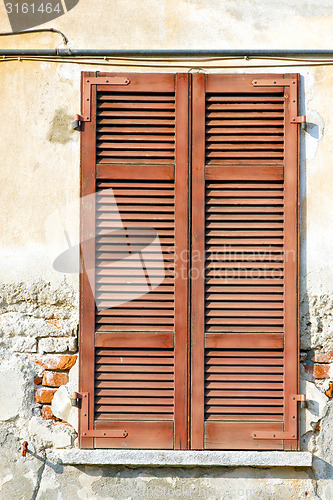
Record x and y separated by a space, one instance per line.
137 206
133 333
244 268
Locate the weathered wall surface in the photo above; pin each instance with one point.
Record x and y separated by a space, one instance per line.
39 159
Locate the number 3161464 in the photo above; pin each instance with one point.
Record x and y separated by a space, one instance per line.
32 8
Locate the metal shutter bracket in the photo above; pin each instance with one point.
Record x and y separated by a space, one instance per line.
82 400
285 82
291 432
97 80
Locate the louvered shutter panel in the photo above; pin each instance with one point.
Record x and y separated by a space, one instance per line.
134 288
244 285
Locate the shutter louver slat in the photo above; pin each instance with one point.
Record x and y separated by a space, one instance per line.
130 237
228 141
223 234
254 367
117 365
122 132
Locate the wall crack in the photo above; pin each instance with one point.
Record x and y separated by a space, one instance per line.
39 480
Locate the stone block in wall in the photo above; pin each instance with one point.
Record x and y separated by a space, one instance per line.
54 344
18 324
55 361
46 433
23 344
54 379
43 395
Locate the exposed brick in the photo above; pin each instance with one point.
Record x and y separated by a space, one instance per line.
323 357
38 380
43 395
321 371
47 412
54 361
55 379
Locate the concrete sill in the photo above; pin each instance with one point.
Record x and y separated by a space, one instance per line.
171 458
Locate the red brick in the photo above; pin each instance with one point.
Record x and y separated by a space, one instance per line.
54 361
323 357
321 371
38 380
47 412
43 395
55 379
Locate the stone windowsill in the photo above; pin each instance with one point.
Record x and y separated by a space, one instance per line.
171 458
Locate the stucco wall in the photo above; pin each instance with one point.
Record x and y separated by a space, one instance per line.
39 159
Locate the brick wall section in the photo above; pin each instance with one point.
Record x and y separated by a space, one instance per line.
322 367
56 368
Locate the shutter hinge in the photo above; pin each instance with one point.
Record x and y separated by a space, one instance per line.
76 124
285 82
291 431
83 398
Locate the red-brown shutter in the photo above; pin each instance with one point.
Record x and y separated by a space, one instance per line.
244 243
242 207
133 336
